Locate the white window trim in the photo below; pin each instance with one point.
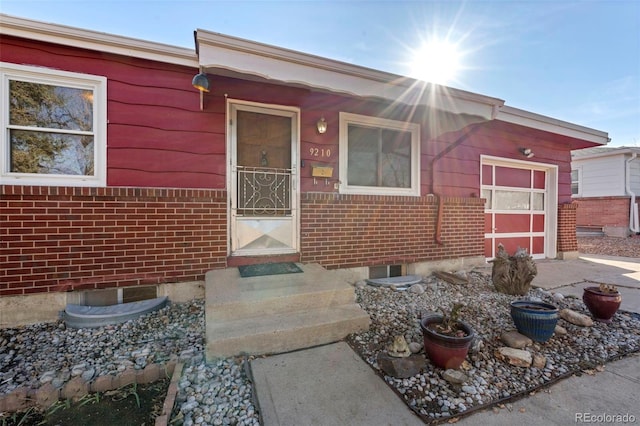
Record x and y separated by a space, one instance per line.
414 128
579 194
97 84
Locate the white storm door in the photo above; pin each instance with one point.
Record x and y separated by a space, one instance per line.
264 180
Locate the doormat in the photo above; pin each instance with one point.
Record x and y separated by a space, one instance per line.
268 269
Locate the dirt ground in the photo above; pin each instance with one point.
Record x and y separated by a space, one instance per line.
130 406
611 246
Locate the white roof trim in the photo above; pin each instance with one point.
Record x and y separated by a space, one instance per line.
251 58
247 57
94 40
589 153
548 124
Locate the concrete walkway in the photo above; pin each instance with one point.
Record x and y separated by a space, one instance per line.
570 277
575 400
331 385
325 386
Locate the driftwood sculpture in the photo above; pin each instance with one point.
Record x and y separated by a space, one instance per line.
513 274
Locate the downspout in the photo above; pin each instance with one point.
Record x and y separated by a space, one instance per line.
448 149
634 226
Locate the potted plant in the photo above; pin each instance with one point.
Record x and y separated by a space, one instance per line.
536 320
446 338
602 301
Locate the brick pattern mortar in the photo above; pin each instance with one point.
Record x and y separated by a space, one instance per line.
603 211
64 239
567 240
343 231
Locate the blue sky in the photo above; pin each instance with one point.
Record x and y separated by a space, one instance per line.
577 61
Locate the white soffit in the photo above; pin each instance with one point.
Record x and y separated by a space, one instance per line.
94 40
217 51
552 125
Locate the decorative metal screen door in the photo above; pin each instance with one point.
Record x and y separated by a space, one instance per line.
263 180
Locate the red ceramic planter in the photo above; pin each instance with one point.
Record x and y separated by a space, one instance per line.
602 305
445 351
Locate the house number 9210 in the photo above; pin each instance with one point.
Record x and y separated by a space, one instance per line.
320 152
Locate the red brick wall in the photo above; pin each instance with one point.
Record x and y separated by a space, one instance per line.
603 211
62 239
340 231
567 241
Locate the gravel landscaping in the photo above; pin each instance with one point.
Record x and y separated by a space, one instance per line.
220 393
611 246
487 380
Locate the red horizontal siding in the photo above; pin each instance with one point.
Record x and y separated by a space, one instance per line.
497 139
157 135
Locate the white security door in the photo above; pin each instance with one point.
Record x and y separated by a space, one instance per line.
263 210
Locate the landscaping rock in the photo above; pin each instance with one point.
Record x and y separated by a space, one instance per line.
455 377
513 339
516 357
416 289
576 318
560 330
415 347
539 361
401 368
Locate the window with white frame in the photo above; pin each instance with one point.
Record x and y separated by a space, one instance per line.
575 181
53 127
379 156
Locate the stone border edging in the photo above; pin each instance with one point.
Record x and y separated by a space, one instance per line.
44 397
170 399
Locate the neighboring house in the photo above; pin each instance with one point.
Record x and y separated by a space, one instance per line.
605 184
116 173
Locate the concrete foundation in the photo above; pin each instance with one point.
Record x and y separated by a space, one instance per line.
35 308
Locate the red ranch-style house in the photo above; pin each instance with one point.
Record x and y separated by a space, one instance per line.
115 173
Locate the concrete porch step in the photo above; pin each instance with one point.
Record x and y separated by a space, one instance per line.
277 333
234 297
279 313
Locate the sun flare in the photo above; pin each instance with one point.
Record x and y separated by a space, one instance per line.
436 61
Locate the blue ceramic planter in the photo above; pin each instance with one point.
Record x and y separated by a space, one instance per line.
536 320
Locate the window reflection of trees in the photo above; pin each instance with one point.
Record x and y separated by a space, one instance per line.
51 129
379 157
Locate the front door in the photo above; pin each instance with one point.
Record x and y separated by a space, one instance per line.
263 179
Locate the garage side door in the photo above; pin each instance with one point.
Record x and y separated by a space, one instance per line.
515 209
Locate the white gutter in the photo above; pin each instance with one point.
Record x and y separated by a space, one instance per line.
219 53
536 121
94 40
634 226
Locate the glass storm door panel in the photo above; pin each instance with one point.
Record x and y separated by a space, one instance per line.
515 210
264 201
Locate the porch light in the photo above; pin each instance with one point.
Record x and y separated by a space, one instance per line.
201 82
527 152
321 125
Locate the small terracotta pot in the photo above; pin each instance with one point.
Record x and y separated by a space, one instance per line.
602 305
445 351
